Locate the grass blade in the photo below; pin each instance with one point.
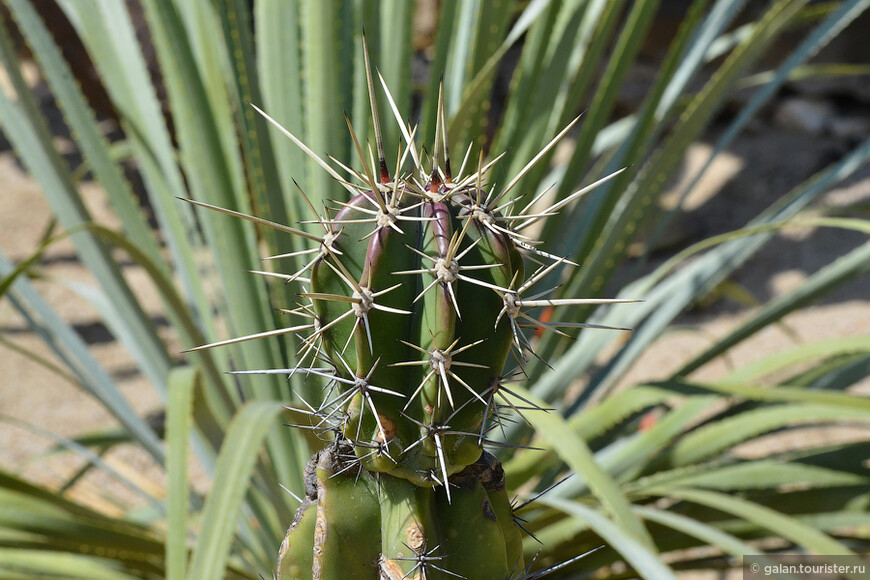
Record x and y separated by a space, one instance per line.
88 456
327 89
576 454
24 126
179 420
209 168
222 507
71 349
53 564
95 148
279 59
106 29
644 561
776 394
778 523
847 268
707 534
712 439
261 170
663 301
758 474
812 43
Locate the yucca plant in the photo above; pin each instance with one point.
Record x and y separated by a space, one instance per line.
413 432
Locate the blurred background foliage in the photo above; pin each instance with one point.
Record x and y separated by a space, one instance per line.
155 96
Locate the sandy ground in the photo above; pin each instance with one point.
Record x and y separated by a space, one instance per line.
764 163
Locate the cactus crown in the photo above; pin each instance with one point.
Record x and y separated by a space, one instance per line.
418 296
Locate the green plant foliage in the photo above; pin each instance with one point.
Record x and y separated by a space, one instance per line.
648 495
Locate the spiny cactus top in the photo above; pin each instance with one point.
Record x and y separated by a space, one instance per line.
419 373
418 296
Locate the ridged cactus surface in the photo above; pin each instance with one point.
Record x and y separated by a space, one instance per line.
357 524
416 302
406 300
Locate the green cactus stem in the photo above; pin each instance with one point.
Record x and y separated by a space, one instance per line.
415 300
359 524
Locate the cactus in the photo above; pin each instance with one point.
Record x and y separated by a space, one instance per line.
417 294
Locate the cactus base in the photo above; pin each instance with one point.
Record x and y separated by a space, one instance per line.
358 524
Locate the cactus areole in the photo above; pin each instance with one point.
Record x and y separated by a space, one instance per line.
416 295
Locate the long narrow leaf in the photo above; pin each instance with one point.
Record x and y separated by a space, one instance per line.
715 437
279 60
30 136
47 563
644 561
812 43
105 27
234 468
707 534
72 350
756 474
854 265
778 523
182 383
576 454
666 300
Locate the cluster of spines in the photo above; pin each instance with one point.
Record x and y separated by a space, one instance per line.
398 204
